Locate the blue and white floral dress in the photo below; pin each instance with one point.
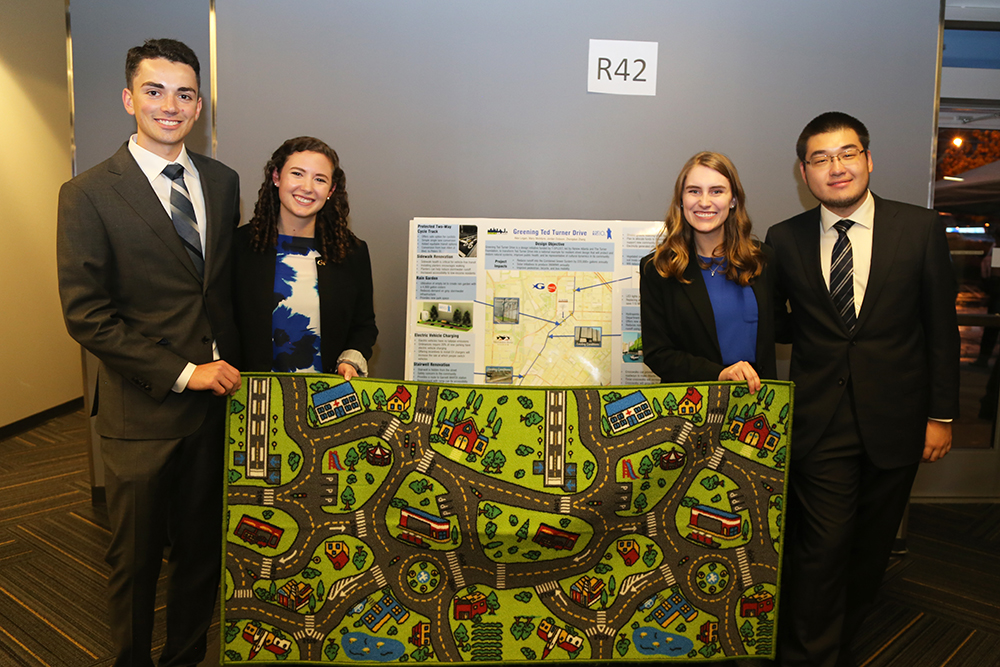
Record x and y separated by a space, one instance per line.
295 329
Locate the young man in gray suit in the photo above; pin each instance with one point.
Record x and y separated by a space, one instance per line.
875 353
145 279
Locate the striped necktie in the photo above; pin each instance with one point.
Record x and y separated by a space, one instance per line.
182 213
842 275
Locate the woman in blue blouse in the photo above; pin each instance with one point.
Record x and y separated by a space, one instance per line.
707 289
303 279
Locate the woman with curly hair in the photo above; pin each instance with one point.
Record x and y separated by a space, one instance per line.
707 290
303 279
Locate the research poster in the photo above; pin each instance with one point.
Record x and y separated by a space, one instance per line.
526 302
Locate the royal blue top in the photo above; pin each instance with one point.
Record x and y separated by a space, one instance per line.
735 309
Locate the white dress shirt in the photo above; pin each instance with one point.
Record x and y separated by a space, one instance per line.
860 235
152 166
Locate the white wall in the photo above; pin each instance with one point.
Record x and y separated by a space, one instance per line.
967 83
40 362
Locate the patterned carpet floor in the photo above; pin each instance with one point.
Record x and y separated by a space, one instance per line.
939 604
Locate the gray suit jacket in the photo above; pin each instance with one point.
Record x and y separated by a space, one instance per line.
132 296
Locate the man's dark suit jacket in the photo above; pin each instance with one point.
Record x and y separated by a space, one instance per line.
346 311
679 339
902 359
132 296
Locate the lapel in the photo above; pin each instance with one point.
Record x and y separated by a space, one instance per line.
133 186
213 212
697 293
885 240
807 242
262 267
760 295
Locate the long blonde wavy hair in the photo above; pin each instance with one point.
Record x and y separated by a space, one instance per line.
674 246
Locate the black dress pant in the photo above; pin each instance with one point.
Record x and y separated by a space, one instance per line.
843 515
164 493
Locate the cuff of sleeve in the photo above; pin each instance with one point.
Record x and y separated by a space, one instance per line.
943 421
356 359
181 383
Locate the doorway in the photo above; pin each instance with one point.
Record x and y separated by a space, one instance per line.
967 195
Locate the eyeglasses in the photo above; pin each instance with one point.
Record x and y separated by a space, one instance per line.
846 157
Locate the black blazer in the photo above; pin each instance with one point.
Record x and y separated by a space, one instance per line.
132 296
902 359
346 310
679 339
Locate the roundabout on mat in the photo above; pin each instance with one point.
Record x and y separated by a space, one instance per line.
423 577
712 577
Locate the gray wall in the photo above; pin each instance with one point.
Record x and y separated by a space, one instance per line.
457 108
103 31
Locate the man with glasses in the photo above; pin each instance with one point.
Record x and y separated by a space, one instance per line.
875 353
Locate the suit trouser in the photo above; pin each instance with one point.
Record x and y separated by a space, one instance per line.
160 493
843 514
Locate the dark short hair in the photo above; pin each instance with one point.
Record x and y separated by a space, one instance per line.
831 121
169 49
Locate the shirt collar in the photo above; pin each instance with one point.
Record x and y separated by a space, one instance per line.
864 215
152 164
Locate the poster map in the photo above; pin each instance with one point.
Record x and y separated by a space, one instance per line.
526 302
375 521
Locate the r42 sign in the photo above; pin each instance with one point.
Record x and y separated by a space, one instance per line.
622 68
604 69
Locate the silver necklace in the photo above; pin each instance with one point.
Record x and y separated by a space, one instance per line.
714 264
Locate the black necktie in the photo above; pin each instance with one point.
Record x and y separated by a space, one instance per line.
842 275
182 213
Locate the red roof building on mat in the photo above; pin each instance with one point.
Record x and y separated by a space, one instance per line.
399 401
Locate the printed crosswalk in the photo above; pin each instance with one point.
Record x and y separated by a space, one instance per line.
456 569
685 431
425 461
668 575
744 565
716 459
651 524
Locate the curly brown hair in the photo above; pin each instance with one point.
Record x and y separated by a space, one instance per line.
333 238
744 258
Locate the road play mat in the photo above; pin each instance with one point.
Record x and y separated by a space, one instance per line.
374 521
